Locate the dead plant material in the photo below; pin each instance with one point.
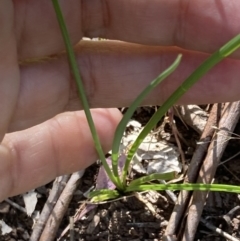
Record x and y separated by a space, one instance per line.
229 119
193 115
54 220
218 230
177 216
58 186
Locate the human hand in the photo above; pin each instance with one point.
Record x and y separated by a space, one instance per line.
113 72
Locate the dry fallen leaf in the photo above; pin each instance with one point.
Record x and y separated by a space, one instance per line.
30 201
5 229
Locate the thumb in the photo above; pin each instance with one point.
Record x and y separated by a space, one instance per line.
62 145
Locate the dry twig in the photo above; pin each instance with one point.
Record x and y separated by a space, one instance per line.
218 230
227 124
60 208
229 119
56 191
15 205
178 213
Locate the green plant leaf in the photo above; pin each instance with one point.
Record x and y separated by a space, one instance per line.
81 91
152 177
103 195
127 116
230 47
185 186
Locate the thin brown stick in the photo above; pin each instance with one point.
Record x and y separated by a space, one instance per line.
15 205
71 223
218 230
176 133
58 186
178 213
227 124
148 224
60 208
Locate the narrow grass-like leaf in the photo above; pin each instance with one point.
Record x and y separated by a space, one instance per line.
80 86
209 63
185 186
230 47
152 177
127 116
103 195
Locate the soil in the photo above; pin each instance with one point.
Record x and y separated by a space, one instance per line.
130 218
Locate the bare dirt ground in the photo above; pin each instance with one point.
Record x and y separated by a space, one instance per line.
142 217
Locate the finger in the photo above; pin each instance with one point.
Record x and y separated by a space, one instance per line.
114 73
9 72
197 25
39 36
201 25
59 146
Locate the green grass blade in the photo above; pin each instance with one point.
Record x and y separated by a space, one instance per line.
230 47
152 177
103 195
209 63
127 116
185 186
80 86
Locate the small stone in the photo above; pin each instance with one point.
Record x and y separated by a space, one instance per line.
4 207
26 235
93 224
